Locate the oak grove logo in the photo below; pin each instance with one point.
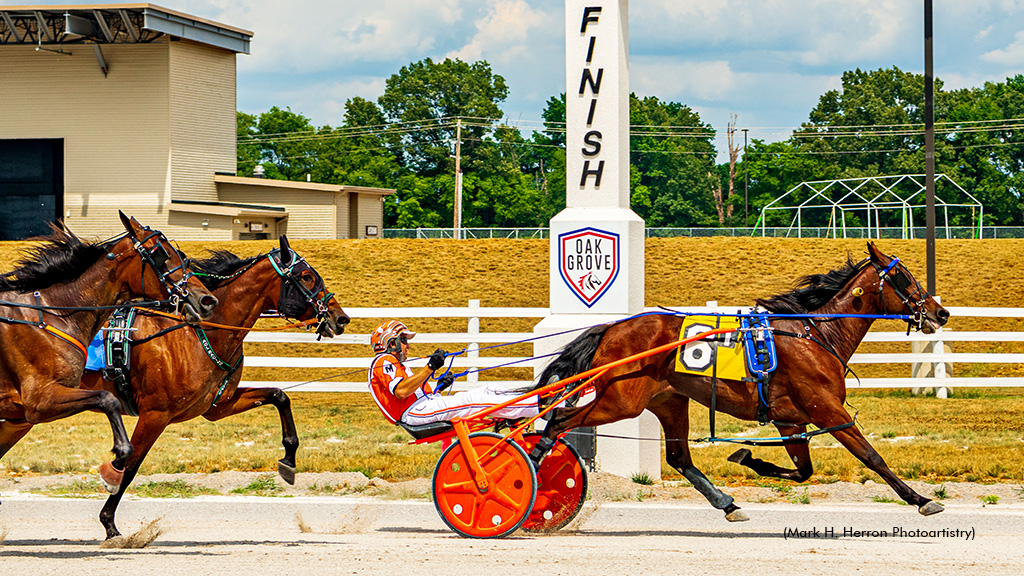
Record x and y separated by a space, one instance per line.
588 260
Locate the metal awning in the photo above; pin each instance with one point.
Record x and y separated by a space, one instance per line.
113 24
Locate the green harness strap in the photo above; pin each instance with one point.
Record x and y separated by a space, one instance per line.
218 361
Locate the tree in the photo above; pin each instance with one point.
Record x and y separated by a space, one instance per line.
673 153
425 98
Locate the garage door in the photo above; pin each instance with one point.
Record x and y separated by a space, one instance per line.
31 186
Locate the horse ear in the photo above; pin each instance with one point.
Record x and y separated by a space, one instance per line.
873 252
128 224
286 252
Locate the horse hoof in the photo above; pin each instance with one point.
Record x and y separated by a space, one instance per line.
111 477
286 472
737 516
931 507
739 456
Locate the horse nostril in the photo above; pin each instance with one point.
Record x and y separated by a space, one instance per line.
943 316
208 302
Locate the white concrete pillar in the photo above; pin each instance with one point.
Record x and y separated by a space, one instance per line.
597 242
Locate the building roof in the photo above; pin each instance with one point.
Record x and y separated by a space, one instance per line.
113 24
291 184
228 209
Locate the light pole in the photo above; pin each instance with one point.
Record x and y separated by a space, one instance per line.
746 182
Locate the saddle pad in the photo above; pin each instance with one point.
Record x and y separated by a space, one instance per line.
96 359
721 355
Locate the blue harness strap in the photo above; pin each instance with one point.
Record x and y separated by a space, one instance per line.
759 345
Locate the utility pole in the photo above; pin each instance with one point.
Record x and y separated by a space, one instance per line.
929 147
458 178
746 182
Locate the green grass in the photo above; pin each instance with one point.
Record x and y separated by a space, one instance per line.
172 489
75 489
642 478
265 485
990 500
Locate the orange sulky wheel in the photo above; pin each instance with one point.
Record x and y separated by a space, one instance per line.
496 512
561 487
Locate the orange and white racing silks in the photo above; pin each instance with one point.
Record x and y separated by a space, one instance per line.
385 373
424 406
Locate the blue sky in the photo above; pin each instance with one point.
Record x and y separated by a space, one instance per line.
767 61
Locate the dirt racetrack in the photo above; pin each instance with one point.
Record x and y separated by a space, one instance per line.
312 535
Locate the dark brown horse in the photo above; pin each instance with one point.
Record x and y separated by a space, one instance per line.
53 304
174 377
808 387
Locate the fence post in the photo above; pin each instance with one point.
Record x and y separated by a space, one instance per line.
931 369
472 351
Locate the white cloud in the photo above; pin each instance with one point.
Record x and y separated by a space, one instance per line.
322 102
309 35
672 79
1012 55
506 26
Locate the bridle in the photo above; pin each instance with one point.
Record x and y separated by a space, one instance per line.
157 258
902 282
291 283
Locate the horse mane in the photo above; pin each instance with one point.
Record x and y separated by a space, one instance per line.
220 267
59 258
813 291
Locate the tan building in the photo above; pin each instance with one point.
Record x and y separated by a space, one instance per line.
132 107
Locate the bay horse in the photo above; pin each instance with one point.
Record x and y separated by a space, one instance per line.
808 386
63 291
178 373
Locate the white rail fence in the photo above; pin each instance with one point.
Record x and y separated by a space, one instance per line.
935 361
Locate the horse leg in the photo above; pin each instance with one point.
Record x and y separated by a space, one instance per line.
857 444
672 411
248 398
52 401
800 454
11 433
144 436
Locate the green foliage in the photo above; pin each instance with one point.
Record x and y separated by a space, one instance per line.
264 485
871 126
172 489
642 478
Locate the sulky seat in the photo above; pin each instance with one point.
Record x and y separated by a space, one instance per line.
427 430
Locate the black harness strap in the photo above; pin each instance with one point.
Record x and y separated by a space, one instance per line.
118 349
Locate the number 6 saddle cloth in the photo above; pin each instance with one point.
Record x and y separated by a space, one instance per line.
746 353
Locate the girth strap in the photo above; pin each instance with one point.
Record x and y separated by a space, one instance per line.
118 348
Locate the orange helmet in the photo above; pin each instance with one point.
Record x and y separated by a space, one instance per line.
382 338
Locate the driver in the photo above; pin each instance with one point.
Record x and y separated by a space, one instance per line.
404 396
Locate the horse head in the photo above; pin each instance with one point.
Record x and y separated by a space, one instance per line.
303 293
162 271
905 294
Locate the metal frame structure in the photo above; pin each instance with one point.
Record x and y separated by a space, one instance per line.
111 24
862 195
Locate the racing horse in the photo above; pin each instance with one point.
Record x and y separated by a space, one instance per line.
808 386
63 291
177 373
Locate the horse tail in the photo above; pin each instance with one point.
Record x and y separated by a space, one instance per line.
574 358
